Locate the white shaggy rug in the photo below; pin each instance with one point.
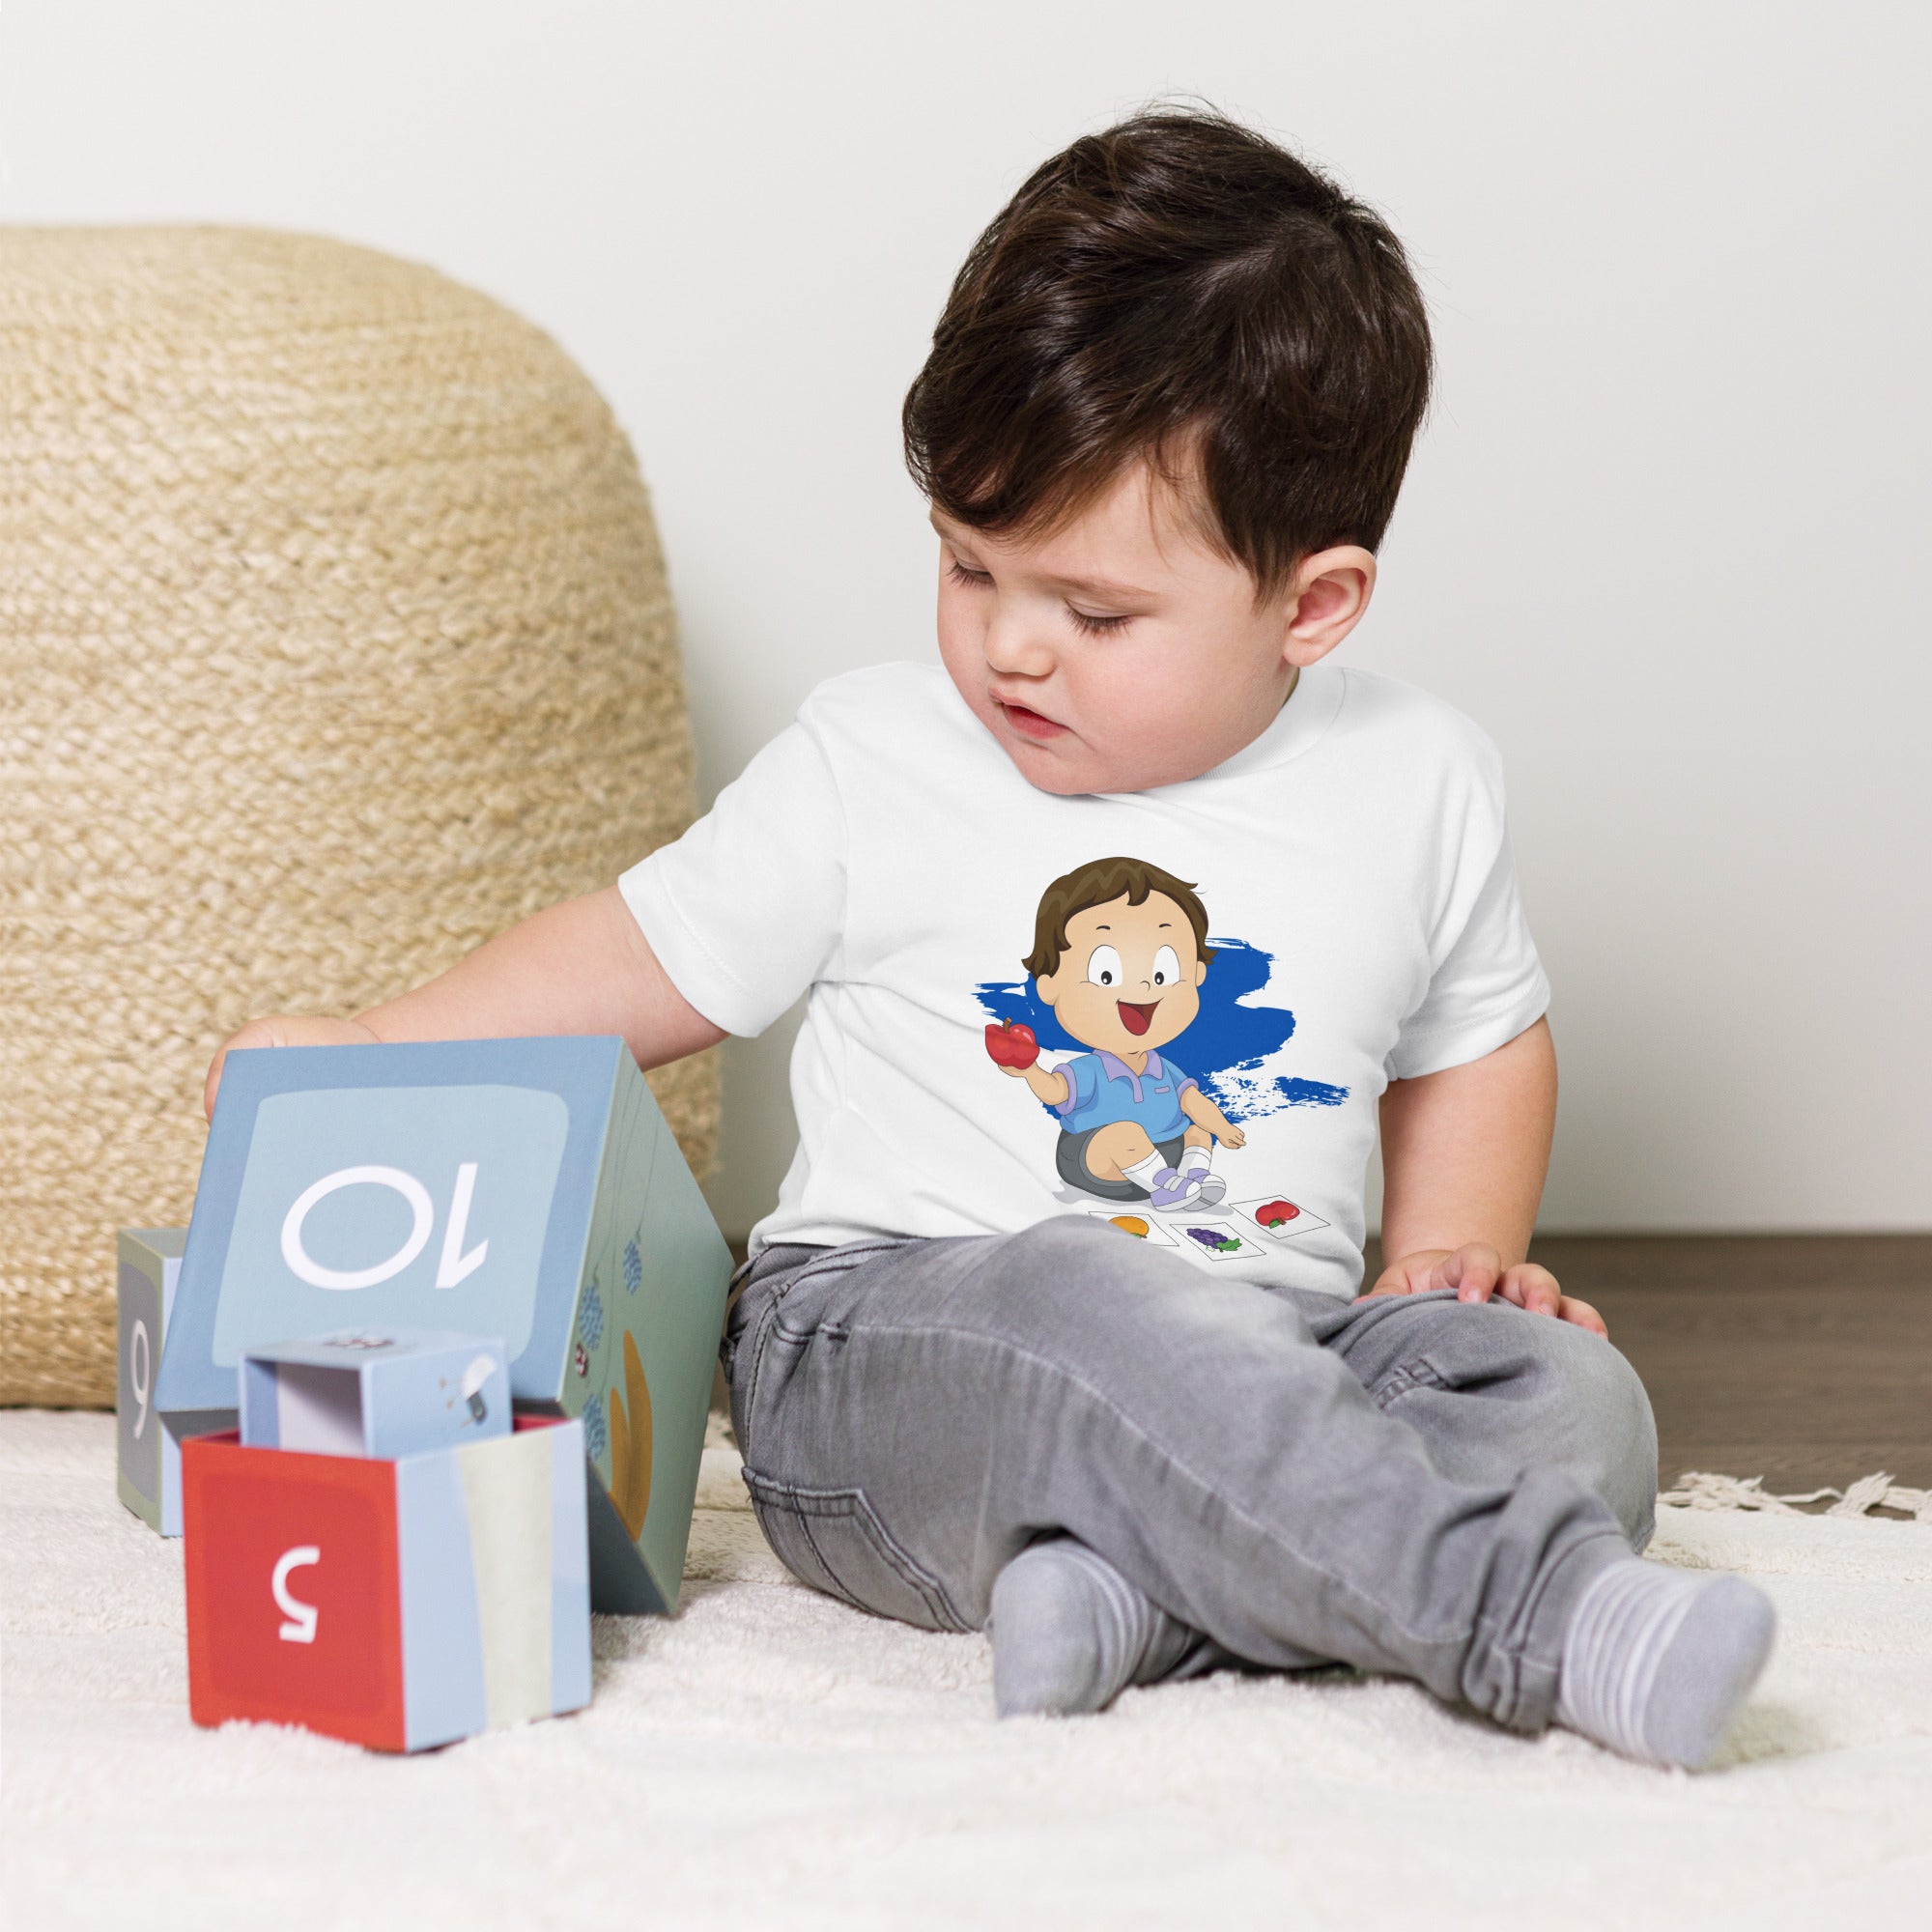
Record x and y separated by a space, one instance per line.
772 1759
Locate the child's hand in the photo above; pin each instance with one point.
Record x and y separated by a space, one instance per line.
1205 1115
285 1029
1476 1272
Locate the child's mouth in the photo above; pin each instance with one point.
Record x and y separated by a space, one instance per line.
1029 723
1136 1020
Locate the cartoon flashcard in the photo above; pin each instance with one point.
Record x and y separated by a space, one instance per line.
1218 1240
1277 1217
1143 1227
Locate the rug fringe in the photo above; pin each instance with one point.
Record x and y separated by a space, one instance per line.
1699 1488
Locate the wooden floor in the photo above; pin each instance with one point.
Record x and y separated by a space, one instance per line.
1804 1359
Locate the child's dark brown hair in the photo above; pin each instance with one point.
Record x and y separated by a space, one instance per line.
1178 290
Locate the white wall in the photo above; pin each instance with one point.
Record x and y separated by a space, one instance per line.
1664 537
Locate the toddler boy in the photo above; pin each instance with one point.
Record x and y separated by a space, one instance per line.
1162 428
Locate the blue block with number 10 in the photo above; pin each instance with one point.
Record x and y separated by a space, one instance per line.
523 1189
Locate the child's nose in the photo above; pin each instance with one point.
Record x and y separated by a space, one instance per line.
1015 649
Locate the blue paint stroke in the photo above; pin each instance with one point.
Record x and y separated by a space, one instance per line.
1223 1049
1310 1093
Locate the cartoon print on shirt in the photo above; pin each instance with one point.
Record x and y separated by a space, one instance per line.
1120 954
1120 961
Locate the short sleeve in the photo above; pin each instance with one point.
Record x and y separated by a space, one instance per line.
1079 1077
1486 984
745 910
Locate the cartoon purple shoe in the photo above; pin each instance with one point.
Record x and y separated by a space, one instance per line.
1173 1189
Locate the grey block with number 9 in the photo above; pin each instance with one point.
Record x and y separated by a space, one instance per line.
149 1260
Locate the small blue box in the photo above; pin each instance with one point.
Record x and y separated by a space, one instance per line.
386 1395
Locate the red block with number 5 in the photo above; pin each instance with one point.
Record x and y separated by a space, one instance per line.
401 1605
294 1609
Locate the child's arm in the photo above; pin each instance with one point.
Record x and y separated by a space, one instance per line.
1464 1153
1204 1113
581 967
1048 1088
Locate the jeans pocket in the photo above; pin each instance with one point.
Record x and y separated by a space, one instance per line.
832 1539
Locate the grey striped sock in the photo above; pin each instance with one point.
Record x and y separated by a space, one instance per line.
1658 1662
1070 1632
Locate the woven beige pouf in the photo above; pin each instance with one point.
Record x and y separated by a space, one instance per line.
335 638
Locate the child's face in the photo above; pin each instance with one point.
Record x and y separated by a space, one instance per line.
1129 976
1122 651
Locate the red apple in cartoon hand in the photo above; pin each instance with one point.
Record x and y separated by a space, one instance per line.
1012 1044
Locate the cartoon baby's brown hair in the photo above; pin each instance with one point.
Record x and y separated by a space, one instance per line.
1097 883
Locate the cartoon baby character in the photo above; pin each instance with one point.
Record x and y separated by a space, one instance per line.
1119 952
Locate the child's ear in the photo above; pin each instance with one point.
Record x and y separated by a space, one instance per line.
1042 984
1199 971
1325 599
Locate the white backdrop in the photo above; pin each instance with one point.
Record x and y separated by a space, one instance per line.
1662 538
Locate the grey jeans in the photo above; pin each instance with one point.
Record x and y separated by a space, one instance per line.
1410 1485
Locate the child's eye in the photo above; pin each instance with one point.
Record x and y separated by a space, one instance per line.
975 580
1103 967
1085 620
1166 967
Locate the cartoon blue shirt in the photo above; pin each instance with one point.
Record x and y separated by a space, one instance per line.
1103 1090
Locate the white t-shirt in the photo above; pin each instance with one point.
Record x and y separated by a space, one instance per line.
884 854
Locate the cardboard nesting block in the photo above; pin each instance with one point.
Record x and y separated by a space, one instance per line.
149 1472
525 1188
382 1395
399 1604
